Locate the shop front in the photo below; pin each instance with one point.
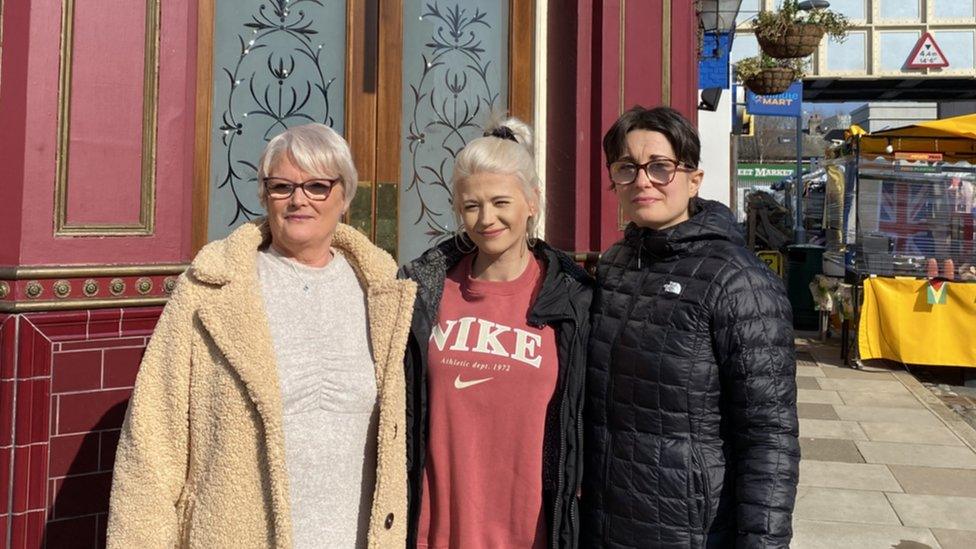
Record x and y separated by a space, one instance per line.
130 139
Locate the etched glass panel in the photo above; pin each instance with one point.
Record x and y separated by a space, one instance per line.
455 72
276 64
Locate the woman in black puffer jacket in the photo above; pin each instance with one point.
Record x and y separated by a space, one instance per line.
691 428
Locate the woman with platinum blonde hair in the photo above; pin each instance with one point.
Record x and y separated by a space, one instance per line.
269 406
495 364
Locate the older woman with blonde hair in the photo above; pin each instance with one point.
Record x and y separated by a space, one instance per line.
269 406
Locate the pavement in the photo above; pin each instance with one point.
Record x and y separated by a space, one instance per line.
886 464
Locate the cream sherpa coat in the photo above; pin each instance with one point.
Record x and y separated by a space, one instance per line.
201 459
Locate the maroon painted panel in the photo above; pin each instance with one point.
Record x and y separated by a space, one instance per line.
105 152
32 38
586 46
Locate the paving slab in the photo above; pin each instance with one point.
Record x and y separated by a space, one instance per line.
926 455
862 506
948 512
880 400
825 428
850 373
814 396
955 539
853 476
873 386
811 534
886 414
826 449
810 410
905 432
805 382
934 481
809 371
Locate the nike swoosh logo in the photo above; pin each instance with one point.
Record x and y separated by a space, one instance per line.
458 384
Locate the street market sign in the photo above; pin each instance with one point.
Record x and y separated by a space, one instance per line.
788 103
764 173
926 54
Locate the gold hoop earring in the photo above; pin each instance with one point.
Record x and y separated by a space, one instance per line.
462 239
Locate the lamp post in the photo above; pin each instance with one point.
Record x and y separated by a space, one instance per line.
799 231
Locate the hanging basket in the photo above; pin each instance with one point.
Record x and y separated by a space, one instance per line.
771 81
798 41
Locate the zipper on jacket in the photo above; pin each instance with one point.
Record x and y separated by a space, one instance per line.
575 501
608 404
706 486
561 469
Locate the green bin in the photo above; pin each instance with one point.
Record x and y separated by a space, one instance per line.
803 262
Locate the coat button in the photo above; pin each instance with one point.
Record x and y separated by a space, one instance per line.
389 521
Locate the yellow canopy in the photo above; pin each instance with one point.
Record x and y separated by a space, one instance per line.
954 138
959 126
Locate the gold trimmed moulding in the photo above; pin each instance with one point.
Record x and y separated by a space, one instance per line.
34 289
666 53
116 286
144 285
4 289
62 289
169 284
79 271
90 287
68 304
150 100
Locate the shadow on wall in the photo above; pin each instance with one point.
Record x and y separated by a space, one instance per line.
78 514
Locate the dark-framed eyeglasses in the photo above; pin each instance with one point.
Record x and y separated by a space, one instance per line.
279 188
659 170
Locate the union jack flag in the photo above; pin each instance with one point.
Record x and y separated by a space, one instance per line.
905 212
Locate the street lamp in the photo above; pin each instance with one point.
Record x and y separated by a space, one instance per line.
718 16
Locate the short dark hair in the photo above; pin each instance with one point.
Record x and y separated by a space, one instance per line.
665 120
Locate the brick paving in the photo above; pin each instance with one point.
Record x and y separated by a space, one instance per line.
886 463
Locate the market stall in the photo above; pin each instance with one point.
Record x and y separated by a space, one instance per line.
908 235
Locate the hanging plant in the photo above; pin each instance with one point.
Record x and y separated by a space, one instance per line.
791 32
765 75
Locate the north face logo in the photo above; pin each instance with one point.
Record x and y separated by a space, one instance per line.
673 287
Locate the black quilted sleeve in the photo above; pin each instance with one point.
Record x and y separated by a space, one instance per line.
753 340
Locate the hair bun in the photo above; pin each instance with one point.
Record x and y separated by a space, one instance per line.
509 129
501 132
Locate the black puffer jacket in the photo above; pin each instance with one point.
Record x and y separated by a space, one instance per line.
691 428
563 302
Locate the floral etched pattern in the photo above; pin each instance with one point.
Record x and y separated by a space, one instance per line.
278 63
463 67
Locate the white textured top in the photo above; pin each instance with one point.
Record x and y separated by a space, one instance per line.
328 388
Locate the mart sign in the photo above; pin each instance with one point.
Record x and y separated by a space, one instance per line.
788 103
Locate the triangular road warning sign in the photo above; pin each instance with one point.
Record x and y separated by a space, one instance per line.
926 54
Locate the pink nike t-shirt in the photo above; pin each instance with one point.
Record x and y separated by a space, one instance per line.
490 379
